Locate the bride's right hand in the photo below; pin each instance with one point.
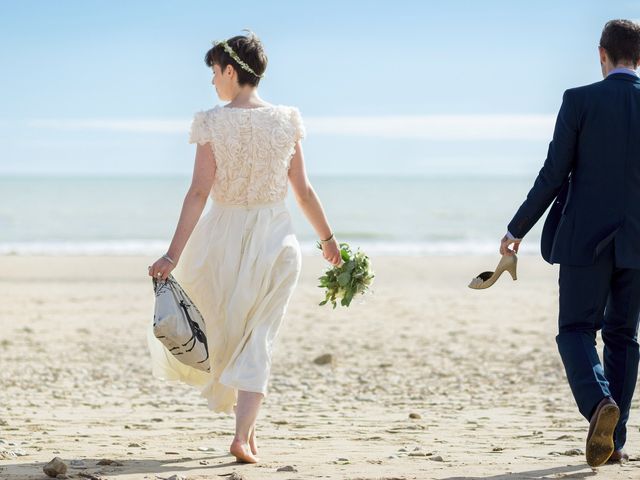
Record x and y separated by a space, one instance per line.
331 252
161 269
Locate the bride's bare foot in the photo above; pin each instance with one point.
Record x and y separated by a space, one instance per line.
242 451
252 441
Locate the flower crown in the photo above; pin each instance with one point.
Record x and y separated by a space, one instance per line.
234 55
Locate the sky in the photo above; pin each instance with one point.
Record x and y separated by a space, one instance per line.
385 88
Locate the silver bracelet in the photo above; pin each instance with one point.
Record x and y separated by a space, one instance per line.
169 259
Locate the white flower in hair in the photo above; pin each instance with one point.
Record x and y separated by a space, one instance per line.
234 55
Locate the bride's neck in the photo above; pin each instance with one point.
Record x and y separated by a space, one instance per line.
247 96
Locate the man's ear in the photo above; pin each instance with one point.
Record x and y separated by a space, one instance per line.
603 55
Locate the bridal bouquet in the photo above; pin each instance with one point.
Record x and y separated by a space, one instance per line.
344 282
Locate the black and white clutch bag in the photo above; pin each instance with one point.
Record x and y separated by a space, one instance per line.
178 324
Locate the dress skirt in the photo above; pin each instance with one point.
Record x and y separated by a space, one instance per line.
239 267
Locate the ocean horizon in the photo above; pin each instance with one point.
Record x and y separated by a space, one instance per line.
382 215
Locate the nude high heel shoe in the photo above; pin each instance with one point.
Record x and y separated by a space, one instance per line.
507 263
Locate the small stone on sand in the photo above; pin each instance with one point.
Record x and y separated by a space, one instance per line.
287 468
55 467
574 452
325 359
77 464
108 461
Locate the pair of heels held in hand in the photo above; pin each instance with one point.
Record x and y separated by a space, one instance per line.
508 263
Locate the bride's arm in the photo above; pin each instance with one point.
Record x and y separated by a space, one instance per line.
195 200
311 206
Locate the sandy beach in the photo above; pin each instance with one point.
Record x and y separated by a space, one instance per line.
478 370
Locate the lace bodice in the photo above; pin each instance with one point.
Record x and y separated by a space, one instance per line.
252 148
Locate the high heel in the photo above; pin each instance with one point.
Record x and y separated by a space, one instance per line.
508 263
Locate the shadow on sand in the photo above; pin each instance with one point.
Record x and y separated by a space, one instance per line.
568 471
33 470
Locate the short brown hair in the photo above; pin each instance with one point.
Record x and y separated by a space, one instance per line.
250 50
621 40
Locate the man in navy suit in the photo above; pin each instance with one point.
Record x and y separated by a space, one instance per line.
592 177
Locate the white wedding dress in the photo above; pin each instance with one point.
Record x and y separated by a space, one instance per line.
242 261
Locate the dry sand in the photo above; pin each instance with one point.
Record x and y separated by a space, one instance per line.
479 368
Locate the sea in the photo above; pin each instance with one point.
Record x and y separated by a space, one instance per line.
382 215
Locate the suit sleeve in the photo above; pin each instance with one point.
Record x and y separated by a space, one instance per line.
554 172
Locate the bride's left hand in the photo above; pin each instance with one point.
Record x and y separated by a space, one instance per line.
331 252
161 269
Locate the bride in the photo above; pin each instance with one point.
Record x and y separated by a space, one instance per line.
240 262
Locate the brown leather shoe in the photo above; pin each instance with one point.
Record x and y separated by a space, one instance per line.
600 437
618 456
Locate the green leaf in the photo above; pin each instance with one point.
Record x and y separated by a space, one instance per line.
344 279
349 296
346 301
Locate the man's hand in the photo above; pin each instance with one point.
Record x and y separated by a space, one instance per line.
508 240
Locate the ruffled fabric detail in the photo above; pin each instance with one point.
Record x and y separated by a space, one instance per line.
202 127
253 150
296 120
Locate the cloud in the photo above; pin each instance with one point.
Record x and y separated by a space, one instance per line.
438 127
112 125
424 127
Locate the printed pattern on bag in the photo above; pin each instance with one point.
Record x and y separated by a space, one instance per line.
179 325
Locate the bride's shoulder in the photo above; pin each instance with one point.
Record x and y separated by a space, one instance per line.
288 113
210 113
203 126
287 110
293 117
203 116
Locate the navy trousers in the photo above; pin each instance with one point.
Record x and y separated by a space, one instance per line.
600 296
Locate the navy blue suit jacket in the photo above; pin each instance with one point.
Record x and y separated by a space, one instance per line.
592 171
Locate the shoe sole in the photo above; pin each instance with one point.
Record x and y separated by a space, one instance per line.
600 444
